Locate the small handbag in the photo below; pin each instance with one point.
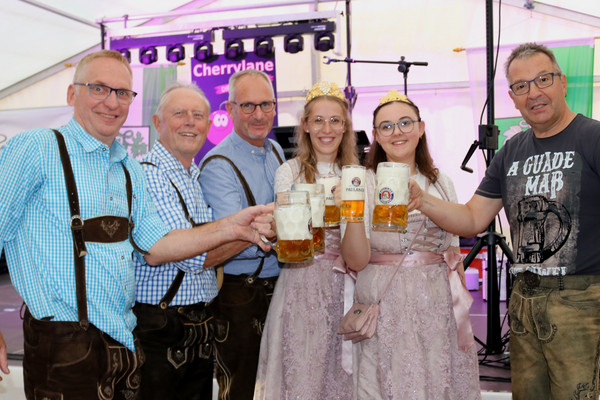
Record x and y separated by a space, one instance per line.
360 322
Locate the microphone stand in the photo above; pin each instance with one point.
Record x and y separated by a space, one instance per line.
488 140
403 65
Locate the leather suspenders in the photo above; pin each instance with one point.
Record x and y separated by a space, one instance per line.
105 229
249 197
172 291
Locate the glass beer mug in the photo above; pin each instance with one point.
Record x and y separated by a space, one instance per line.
294 232
317 208
332 211
353 193
391 197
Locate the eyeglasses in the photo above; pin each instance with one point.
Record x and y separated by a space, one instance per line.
405 125
248 108
318 123
542 81
101 92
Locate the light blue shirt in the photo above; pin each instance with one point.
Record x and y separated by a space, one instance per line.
35 226
225 194
199 284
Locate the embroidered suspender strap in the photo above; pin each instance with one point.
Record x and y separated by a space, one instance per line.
79 250
105 229
176 284
249 197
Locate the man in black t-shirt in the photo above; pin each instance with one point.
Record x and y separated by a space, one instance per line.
547 179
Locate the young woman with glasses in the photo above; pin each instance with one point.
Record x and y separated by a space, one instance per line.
417 352
301 352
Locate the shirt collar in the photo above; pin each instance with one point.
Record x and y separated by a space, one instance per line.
169 162
91 144
247 147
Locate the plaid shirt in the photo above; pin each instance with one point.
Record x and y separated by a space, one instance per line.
35 226
199 284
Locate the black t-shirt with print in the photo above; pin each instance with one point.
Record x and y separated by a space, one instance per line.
550 189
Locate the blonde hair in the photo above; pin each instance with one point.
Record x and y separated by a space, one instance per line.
99 54
247 72
305 153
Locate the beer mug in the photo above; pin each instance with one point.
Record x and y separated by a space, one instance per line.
391 197
294 232
317 208
332 211
353 193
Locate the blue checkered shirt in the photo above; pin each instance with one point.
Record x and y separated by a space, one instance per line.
199 284
35 226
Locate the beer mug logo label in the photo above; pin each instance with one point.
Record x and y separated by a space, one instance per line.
356 181
333 190
310 226
386 195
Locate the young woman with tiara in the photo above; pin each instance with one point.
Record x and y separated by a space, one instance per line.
301 355
423 347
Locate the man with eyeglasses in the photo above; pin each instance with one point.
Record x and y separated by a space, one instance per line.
240 171
74 211
548 180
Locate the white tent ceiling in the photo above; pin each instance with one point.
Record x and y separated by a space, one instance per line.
37 35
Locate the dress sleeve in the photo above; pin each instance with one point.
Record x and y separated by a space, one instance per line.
284 177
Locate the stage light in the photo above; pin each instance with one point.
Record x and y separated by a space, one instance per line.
324 41
293 43
234 49
175 53
203 52
126 53
148 55
263 47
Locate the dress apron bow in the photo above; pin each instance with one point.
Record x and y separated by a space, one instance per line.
461 298
339 266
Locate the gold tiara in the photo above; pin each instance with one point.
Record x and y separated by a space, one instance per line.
393 95
325 89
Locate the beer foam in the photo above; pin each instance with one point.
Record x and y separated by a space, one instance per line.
293 222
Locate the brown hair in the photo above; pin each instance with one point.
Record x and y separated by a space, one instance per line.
423 159
346 153
527 50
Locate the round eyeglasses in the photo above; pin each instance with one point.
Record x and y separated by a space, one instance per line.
405 125
543 81
101 92
248 108
318 123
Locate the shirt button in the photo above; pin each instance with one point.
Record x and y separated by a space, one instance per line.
104 149
122 258
110 198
